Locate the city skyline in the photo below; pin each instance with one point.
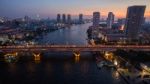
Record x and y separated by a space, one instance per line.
50 8
75 41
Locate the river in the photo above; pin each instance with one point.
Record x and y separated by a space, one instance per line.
60 67
74 35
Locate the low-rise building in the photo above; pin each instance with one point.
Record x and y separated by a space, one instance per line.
4 37
115 37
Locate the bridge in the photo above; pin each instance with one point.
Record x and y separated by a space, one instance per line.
81 48
12 51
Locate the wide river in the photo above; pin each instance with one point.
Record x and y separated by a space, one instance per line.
59 67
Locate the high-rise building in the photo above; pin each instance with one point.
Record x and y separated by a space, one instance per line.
64 18
38 17
26 19
58 18
110 19
69 19
96 18
134 19
144 20
80 18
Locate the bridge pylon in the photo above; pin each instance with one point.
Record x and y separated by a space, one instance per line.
37 57
76 54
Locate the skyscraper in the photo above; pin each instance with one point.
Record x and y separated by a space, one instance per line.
69 19
96 18
64 18
58 18
80 18
134 19
26 18
110 19
143 20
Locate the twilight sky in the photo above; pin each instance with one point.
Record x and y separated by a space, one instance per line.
49 8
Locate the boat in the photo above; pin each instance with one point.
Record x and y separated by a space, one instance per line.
101 64
105 64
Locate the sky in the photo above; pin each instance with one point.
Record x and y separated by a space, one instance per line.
49 8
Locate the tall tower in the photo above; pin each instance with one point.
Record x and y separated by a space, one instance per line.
64 18
80 18
26 18
134 20
69 19
110 19
58 18
96 18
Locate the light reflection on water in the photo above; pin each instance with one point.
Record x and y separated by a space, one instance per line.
59 69
67 68
48 68
77 59
84 68
30 67
12 68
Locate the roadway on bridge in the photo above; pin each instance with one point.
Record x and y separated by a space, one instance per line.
75 48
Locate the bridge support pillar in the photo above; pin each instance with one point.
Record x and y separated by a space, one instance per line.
76 54
37 57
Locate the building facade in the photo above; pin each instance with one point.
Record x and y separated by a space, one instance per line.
64 18
80 18
58 18
134 20
68 19
110 20
96 18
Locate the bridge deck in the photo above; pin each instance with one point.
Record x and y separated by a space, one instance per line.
75 48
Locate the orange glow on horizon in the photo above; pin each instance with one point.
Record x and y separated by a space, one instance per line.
118 14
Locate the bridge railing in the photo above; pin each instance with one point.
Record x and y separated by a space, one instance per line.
84 46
